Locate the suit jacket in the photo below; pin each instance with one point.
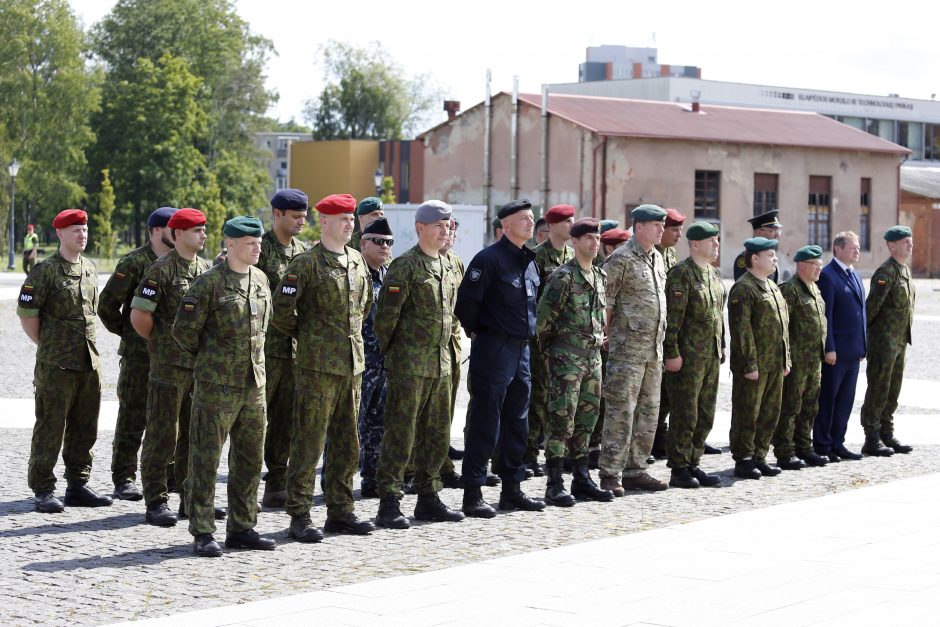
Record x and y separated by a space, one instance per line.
845 312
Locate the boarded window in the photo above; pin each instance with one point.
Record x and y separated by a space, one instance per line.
819 210
707 194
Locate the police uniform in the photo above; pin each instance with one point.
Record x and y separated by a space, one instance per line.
768 219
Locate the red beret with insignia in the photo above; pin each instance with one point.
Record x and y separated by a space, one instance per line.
559 213
69 217
337 204
674 218
186 218
616 236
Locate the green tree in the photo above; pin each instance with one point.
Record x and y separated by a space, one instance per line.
46 96
388 190
103 233
368 95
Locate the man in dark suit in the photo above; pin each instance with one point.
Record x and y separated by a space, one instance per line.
846 345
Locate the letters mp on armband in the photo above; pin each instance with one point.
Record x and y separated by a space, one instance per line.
26 296
149 290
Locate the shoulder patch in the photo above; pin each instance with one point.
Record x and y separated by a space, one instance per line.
475 274
188 307
740 262
120 276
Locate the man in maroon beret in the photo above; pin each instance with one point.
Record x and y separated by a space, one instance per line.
613 239
57 306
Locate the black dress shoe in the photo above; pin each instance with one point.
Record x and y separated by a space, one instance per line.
682 478
512 498
528 474
454 453
160 515
892 441
127 491
389 515
791 463
473 504
766 469
47 503
492 480
452 480
80 495
431 508
874 448
204 545
650 460
845 453
833 458
349 523
708 449
746 469
249 540
302 529
705 479
536 469
813 458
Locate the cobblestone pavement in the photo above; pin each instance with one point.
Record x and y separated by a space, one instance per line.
98 566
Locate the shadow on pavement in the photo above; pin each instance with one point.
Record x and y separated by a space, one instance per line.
122 521
145 557
12 508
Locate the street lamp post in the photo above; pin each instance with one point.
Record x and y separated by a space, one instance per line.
378 177
13 169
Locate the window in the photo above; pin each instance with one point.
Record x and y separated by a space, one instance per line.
932 142
864 204
911 135
707 194
818 210
765 193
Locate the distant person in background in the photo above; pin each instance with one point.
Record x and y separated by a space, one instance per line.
368 211
497 230
541 231
30 249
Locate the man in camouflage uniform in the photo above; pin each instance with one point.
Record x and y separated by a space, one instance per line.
549 255
890 314
693 349
636 319
56 307
368 210
760 359
279 246
793 439
225 312
570 330
667 248
376 246
114 309
321 302
414 323
170 385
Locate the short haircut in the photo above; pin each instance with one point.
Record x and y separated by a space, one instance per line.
749 257
842 238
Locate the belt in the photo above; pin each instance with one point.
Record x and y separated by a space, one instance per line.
580 351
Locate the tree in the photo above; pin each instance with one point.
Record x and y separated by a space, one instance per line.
368 96
103 233
388 190
46 96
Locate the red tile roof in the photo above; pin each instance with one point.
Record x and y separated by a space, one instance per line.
671 120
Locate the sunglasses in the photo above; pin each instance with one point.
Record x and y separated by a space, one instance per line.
381 241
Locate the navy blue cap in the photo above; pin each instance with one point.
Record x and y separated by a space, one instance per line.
292 199
512 207
160 217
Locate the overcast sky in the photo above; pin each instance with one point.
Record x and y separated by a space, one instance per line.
862 46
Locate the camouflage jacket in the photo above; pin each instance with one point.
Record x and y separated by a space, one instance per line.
321 302
159 292
273 262
636 298
64 296
890 305
572 309
222 324
548 259
114 304
807 330
457 267
670 257
695 300
373 350
355 239
758 322
414 320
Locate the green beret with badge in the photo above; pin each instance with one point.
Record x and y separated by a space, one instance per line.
760 244
368 205
648 213
898 232
808 253
243 226
701 230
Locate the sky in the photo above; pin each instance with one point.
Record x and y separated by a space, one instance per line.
864 47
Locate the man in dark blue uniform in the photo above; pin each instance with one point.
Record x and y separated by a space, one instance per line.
496 306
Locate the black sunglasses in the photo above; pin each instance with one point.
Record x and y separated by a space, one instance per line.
381 241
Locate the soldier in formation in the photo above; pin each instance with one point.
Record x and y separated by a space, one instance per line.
765 225
368 210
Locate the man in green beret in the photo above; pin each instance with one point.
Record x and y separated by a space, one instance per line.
793 439
890 315
368 210
636 325
693 349
765 225
760 359
221 322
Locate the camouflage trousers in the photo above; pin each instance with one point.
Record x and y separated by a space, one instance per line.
67 405
417 418
371 420
131 418
692 393
597 435
166 438
448 466
538 400
755 410
794 433
326 407
220 411
573 403
279 377
885 372
632 394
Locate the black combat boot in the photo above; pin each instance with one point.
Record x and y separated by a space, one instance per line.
705 479
555 493
583 487
160 515
745 469
390 515
452 480
47 503
536 468
790 463
204 545
896 446
127 491
708 449
302 529
348 523
248 540
812 458
473 504
682 478
874 448
431 508
766 469
78 494
512 497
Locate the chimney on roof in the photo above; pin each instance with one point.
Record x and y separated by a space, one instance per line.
696 96
452 107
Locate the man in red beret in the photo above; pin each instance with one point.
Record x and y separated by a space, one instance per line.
549 255
56 306
321 302
612 239
153 310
